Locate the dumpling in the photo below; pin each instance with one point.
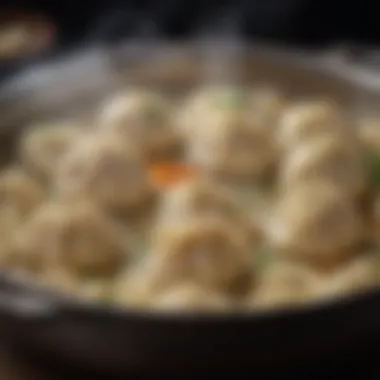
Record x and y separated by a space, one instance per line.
140 284
267 106
194 114
199 197
42 148
317 223
10 221
75 236
307 120
108 172
232 147
369 133
145 119
19 193
208 251
325 158
285 284
145 287
359 274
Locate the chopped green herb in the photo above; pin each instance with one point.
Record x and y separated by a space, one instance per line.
263 257
372 165
232 99
152 112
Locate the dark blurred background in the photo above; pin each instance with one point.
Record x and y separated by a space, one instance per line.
306 22
293 21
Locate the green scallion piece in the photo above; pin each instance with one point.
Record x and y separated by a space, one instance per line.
372 166
232 99
263 257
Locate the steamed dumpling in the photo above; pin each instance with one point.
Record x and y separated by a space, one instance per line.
19 192
267 105
75 236
140 284
194 114
307 120
325 158
356 276
145 119
369 133
231 147
208 251
286 284
200 197
316 222
42 148
20 196
109 173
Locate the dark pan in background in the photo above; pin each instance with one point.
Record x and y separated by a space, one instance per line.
27 36
114 340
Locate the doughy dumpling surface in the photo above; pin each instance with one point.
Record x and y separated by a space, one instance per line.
19 193
201 197
75 236
286 284
306 120
197 197
209 251
230 147
20 196
369 133
358 275
267 106
42 148
316 222
139 285
146 119
107 172
326 158
194 116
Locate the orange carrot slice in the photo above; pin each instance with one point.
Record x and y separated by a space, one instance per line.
168 175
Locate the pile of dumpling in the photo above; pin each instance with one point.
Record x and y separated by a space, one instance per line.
231 199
